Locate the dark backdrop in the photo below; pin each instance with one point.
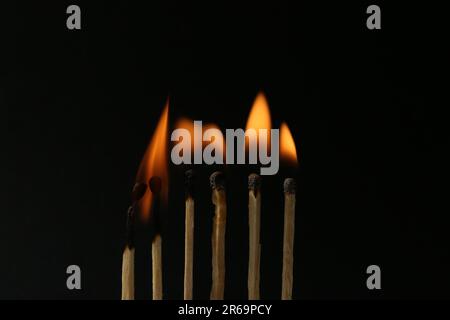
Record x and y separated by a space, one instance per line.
365 107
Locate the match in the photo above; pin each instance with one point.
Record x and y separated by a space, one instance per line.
155 185
189 234
217 181
139 190
254 221
288 242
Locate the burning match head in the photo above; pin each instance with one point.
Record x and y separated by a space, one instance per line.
290 186
217 181
138 192
155 184
254 182
189 183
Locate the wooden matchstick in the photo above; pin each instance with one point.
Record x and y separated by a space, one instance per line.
128 253
189 235
157 268
254 218
217 181
128 260
157 288
288 243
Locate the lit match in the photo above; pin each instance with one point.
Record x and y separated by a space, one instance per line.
154 170
289 153
259 120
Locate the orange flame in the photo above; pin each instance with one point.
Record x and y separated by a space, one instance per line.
188 124
154 163
288 151
259 117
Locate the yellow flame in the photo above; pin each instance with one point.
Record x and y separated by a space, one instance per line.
154 163
288 151
259 117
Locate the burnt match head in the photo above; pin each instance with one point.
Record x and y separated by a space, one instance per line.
189 181
130 228
155 184
254 182
138 191
217 181
290 186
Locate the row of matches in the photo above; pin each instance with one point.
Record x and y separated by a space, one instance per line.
217 181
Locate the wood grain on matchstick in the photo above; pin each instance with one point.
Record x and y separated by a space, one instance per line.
288 242
218 236
254 218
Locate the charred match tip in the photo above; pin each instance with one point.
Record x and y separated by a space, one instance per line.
189 183
155 184
130 214
217 181
130 228
289 185
138 191
254 182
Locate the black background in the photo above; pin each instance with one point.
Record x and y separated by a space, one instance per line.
365 107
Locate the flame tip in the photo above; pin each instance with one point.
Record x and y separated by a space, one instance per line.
288 150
